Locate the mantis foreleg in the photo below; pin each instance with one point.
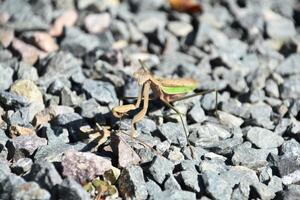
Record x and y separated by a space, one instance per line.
119 111
142 113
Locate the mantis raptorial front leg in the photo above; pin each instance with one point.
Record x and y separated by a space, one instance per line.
143 112
119 111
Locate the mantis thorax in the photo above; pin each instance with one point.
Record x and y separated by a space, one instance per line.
142 76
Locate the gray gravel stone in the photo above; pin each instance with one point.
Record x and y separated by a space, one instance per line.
197 114
45 174
6 77
58 84
295 108
265 174
148 22
20 117
103 92
229 119
290 148
275 184
235 107
289 66
145 154
174 154
90 108
29 190
264 138
3 138
282 126
11 100
272 88
171 183
69 97
70 189
71 121
208 101
174 133
207 135
22 16
250 157
8 182
43 9
188 165
190 180
59 65
53 151
23 146
195 154
261 114
146 126
22 165
216 186
226 146
132 184
174 195
291 88
292 193
288 165
279 27
28 72
4 169
152 187
125 154
160 168
180 29
78 43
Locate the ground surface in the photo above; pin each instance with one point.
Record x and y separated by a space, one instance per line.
64 64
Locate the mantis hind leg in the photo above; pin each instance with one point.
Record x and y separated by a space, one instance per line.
200 93
180 116
143 112
184 127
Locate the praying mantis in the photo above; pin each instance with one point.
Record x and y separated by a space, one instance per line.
165 89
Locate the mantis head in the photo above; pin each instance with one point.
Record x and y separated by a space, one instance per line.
141 76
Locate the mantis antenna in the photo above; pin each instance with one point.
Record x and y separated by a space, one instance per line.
143 65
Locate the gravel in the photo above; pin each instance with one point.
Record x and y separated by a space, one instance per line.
45 174
70 189
263 138
174 194
160 168
174 133
132 183
66 64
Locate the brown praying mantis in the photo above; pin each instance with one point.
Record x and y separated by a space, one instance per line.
165 89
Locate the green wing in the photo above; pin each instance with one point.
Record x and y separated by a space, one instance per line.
177 89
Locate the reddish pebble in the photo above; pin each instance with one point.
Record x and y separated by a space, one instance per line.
29 53
44 41
67 19
4 17
6 36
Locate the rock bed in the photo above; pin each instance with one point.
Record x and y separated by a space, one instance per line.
65 64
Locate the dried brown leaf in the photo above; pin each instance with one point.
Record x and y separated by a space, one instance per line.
188 6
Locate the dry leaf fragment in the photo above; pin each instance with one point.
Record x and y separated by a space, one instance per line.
188 6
